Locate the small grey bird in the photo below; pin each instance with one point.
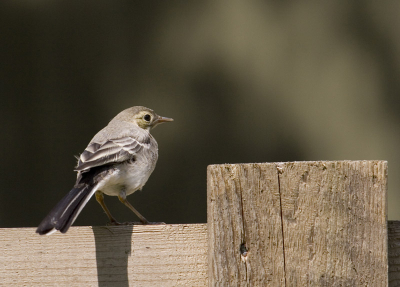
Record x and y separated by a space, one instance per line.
118 161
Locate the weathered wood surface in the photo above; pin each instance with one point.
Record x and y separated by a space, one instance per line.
153 255
303 224
21 263
394 253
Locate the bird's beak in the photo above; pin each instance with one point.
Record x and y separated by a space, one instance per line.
161 120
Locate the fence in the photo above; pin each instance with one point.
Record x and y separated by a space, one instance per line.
269 224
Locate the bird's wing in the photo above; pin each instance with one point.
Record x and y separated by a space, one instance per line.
111 151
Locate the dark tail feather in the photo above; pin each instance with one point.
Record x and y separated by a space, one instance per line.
65 212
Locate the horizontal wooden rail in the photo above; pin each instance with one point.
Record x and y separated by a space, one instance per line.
170 255
153 255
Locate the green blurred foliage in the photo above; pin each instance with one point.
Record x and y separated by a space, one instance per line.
245 81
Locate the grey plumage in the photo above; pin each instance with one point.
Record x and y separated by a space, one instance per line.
117 161
117 149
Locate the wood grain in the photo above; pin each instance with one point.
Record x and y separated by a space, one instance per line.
244 208
276 224
303 223
22 264
154 255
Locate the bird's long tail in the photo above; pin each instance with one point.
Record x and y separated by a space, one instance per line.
67 210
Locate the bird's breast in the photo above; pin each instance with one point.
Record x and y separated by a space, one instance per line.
131 175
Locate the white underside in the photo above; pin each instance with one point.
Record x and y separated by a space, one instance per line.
127 178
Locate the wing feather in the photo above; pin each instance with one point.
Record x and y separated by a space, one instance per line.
111 151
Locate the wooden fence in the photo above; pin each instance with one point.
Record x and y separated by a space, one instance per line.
269 224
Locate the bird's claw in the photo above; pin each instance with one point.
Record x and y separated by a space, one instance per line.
116 223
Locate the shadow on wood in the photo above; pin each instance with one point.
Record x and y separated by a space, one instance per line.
113 249
394 253
144 255
269 224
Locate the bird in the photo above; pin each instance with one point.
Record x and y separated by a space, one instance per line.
117 162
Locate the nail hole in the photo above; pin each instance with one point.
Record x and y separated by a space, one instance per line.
243 249
243 252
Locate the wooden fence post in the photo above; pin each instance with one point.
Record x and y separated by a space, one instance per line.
298 224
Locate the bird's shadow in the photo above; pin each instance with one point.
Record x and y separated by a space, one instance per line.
113 248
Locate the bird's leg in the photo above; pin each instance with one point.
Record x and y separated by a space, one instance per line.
122 198
100 200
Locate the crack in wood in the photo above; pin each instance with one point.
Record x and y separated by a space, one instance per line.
243 226
299 223
279 171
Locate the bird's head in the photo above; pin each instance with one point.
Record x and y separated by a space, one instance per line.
143 117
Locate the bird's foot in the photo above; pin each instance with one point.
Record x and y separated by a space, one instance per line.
137 223
116 223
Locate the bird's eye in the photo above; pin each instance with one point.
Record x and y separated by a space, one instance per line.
147 118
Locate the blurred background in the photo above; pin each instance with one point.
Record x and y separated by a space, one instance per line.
245 81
